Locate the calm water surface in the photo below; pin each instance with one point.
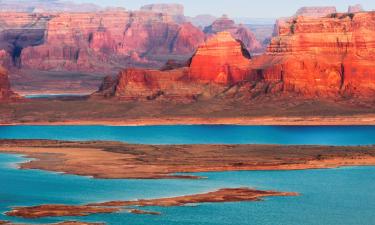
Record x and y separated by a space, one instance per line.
329 197
320 135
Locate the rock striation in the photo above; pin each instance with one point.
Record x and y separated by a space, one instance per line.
221 60
327 56
239 32
111 39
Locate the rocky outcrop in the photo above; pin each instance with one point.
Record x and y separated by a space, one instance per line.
328 56
5 91
239 32
316 11
222 60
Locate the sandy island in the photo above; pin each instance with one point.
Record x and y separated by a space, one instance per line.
222 195
120 160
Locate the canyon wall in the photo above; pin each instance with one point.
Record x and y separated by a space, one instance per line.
327 56
110 40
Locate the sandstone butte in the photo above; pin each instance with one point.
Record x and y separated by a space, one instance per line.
330 56
220 62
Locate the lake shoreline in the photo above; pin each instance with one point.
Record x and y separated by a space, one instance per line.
243 121
116 160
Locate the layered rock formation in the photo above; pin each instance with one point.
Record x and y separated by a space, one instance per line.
110 39
220 62
239 32
20 30
5 91
327 56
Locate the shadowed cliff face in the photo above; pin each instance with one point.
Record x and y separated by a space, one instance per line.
19 31
102 41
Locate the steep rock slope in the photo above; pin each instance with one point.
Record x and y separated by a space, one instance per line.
327 56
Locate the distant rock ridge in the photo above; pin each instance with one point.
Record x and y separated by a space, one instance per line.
316 11
355 8
239 32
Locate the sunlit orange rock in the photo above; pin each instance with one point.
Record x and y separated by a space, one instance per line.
222 59
328 56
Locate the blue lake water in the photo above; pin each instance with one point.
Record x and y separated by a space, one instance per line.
329 197
219 134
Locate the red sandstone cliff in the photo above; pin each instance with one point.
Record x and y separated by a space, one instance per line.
100 41
5 91
239 32
327 56
220 62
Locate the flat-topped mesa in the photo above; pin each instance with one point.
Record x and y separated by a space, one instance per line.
171 9
222 59
239 32
5 92
332 55
355 8
316 11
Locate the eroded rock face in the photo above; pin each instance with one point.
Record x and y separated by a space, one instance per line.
110 39
239 32
5 91
222 60
328 56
